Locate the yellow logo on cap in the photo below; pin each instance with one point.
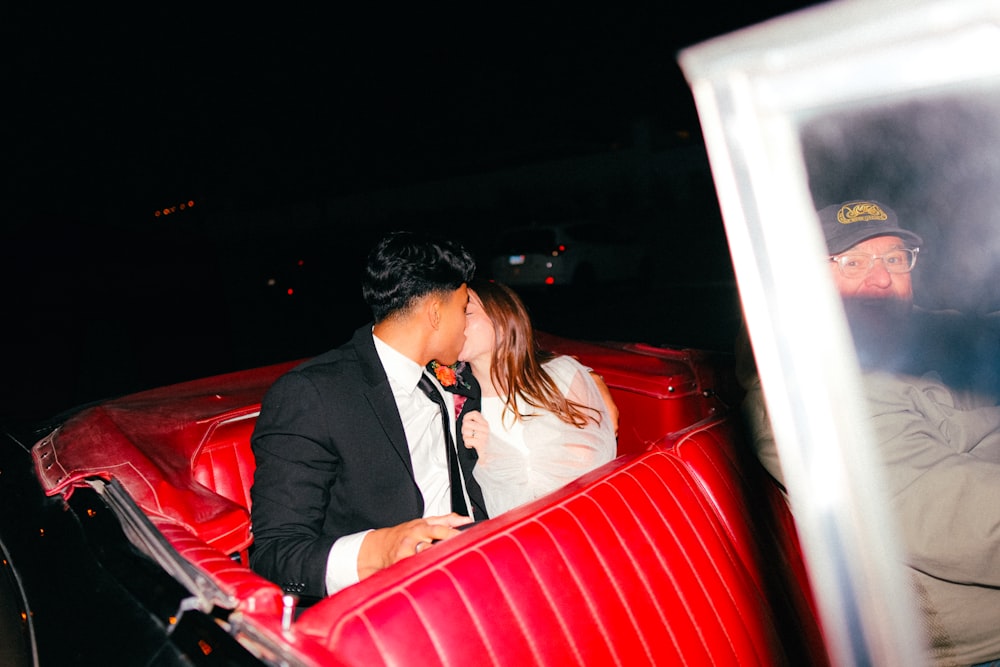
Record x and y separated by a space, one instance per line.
860 212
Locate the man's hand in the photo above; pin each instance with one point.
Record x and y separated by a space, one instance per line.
385 546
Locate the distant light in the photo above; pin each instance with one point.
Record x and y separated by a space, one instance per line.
549 280
183 206
301 262
290 291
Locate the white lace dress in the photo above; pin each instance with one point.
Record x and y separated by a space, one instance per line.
529 458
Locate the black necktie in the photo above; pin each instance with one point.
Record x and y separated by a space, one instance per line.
457 496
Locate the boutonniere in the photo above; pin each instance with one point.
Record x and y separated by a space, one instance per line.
450 377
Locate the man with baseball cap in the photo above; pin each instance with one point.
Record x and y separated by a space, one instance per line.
871 258
845 225
937 432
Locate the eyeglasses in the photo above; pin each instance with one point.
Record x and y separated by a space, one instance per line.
899 260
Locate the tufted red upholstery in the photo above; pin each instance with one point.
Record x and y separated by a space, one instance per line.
680 552
225 461
241 587
632 564
755 515
657 390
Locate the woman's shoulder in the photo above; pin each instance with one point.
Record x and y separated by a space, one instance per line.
564 368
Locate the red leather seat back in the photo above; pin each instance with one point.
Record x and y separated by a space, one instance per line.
225 463
751 508
644 418
629 565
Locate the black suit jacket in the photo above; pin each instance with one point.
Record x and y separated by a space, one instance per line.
331 460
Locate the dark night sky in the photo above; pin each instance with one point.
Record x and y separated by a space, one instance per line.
119 110
110 115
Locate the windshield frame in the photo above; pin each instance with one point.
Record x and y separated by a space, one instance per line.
754 91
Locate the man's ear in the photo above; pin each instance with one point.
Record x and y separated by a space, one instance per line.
432 309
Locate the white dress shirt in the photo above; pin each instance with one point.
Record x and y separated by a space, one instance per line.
422 424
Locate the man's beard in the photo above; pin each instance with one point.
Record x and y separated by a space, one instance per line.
879 328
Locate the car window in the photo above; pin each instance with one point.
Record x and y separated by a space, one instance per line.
796 115
934 156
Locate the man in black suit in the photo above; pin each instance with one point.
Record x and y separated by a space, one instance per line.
352 470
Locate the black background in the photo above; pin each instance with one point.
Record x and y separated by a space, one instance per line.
113 116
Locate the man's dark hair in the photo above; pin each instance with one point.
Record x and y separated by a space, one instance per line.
407 265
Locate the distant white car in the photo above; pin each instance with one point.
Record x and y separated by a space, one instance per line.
573 253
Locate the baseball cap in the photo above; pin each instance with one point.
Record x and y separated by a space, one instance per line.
847 224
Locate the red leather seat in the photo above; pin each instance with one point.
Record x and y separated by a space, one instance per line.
225 461
755 515
631 564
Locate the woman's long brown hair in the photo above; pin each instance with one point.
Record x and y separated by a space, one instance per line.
517 361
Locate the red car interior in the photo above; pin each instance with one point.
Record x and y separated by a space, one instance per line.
680 551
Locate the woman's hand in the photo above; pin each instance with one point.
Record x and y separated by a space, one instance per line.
475 430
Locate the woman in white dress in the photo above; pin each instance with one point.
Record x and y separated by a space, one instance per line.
545 419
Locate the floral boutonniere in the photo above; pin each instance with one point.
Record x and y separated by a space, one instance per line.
450 377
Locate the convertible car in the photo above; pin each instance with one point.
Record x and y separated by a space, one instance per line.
125 529
126 532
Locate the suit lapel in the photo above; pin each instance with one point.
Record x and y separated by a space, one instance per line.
467 457
379 395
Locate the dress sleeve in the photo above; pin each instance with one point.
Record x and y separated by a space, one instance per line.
555 452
